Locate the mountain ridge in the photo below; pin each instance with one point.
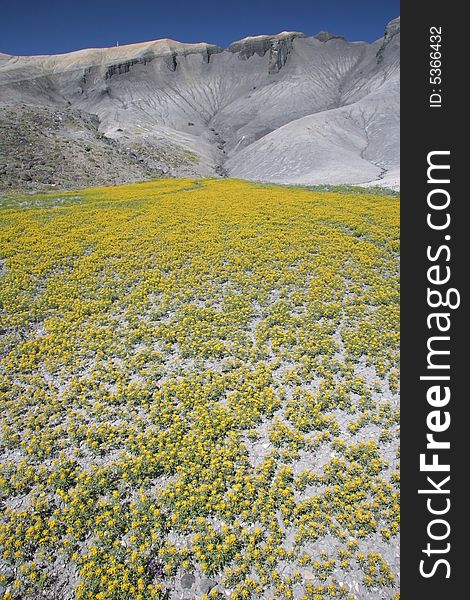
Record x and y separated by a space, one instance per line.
256 102
322 35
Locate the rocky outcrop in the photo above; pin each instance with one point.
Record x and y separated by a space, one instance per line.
250 46
41 148
279 52
279 46
391 32
125 67
393 27
120 68
210 51
171 61
326 36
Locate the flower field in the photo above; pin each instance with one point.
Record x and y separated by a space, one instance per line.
199 393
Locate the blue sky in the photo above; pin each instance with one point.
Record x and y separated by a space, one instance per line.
54 26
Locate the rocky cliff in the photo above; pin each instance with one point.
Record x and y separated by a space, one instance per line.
287 107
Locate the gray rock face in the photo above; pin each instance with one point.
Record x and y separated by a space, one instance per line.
326 36
245 49
278 46
285 108
279 52
187 581
393 28
392 36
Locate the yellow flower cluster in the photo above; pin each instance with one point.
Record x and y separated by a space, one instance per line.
376 571
176 356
